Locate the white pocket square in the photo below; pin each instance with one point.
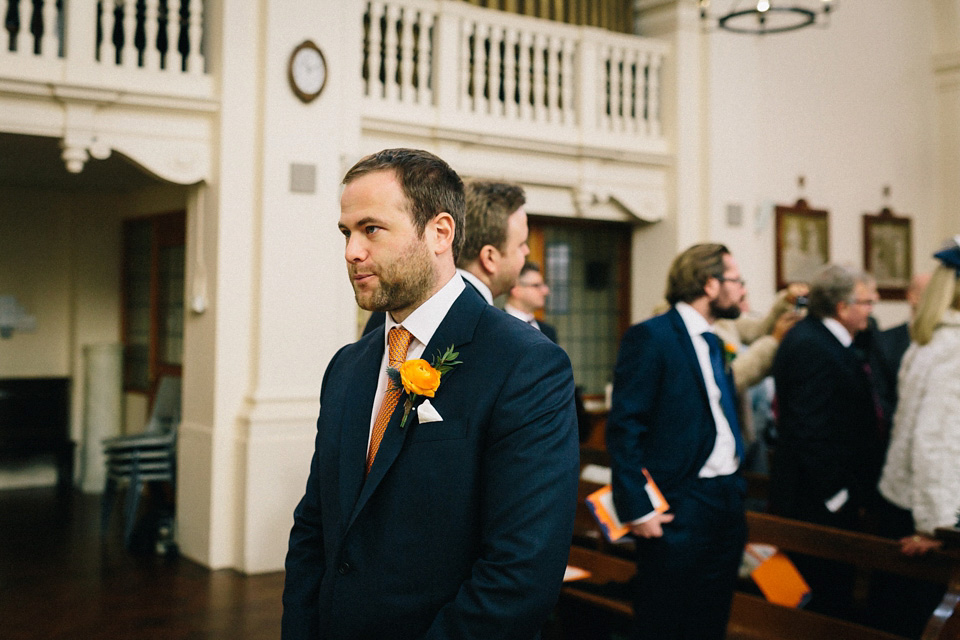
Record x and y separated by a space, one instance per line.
427 413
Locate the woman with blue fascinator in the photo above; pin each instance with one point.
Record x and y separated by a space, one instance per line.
922 471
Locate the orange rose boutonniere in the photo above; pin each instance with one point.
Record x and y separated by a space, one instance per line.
418 378
729 353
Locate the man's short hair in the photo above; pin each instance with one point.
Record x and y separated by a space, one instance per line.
527 267
489 206
692 269
832 284
430 185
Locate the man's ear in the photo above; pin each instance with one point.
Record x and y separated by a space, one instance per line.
443 228
840 310
489 258
712 288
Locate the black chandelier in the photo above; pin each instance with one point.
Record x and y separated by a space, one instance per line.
768 16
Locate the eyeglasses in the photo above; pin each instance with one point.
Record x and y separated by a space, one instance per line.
739 281
867 302
536 285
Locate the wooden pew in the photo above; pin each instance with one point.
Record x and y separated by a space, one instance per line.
752 617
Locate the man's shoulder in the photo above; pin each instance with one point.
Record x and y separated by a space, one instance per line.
808 330
658 325
500 326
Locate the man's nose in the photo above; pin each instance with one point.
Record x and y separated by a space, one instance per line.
356 249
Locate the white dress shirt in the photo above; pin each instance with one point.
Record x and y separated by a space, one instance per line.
478 283
422 324
838 330
529 318
723 459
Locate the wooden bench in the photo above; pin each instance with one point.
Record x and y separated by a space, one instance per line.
752 617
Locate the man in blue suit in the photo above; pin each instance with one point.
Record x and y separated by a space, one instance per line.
431 516
673 416
528 296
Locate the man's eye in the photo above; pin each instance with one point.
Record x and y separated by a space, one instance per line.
371 229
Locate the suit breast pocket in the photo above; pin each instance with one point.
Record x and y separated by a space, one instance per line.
442 430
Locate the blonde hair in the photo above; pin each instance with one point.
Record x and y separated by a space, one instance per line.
941 294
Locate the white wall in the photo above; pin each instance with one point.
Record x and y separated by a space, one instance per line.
35 261
850 107
60 255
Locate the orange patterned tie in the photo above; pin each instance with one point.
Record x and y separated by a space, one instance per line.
398 341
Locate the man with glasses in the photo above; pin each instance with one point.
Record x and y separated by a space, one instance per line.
830 421
528 296
673 423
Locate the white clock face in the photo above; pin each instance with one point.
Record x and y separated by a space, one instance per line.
309 71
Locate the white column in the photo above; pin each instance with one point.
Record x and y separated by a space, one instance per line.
102 410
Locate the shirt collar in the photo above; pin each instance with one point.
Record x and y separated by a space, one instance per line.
838 330
425 319
516 313
478 283
695 323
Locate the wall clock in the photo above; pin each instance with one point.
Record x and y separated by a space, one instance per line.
307 71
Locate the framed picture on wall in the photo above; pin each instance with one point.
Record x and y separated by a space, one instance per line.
888 253
803 242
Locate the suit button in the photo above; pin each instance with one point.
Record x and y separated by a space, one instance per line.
344 568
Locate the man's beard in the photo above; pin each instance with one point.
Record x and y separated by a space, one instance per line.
731 312
402 283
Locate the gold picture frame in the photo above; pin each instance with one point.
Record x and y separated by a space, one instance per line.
803 242
888 252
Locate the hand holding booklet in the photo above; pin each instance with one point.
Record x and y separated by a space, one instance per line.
601 505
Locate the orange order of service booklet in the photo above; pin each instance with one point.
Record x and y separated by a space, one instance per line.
600 503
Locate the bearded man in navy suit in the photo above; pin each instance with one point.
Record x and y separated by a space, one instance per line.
673 421
453 521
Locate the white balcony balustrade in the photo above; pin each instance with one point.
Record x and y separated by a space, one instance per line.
149 46
464 71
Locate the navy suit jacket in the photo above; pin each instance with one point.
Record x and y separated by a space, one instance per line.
660 418
462 528
827 423
548 330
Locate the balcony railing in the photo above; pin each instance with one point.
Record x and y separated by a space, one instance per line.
146 46
462 70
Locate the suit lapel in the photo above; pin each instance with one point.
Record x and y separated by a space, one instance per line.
355 429
690 354
456 329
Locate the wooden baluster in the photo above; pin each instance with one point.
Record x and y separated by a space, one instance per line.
151 17
605 108
465 88
195 59
418 77
616 89
568 112
539 86
50 42
374 62
653 93
406 57
553 79
639 103
129 53
172 61
390 54
476 75
510 74
523 64
25 41
489 74
495 77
